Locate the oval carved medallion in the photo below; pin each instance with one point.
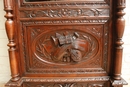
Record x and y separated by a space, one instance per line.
65 47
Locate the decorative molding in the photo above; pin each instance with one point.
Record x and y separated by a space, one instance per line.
57 79
54 80
65 4
67 71
72 21
105 54
65 12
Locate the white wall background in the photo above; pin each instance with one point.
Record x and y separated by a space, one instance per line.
4 60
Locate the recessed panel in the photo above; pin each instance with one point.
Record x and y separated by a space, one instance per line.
66 49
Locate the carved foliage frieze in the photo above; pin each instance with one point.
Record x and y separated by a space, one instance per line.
65 12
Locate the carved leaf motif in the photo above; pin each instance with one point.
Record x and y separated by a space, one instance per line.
64 12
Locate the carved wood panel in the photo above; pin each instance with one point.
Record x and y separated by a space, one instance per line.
64 39
66 46
68 42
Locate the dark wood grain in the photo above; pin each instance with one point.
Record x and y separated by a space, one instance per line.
65 43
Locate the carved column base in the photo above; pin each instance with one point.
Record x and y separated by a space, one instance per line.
118 83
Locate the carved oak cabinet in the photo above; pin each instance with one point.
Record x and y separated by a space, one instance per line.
65 43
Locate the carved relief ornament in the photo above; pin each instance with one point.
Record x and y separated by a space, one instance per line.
41 65
65 12
76 79
57 80
65 46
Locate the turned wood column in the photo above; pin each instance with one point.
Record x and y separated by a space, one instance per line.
119 25
10 29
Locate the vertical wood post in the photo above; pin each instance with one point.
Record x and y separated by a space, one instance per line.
9 24
119 25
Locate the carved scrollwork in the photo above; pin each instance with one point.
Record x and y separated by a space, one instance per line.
65 12
65 47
